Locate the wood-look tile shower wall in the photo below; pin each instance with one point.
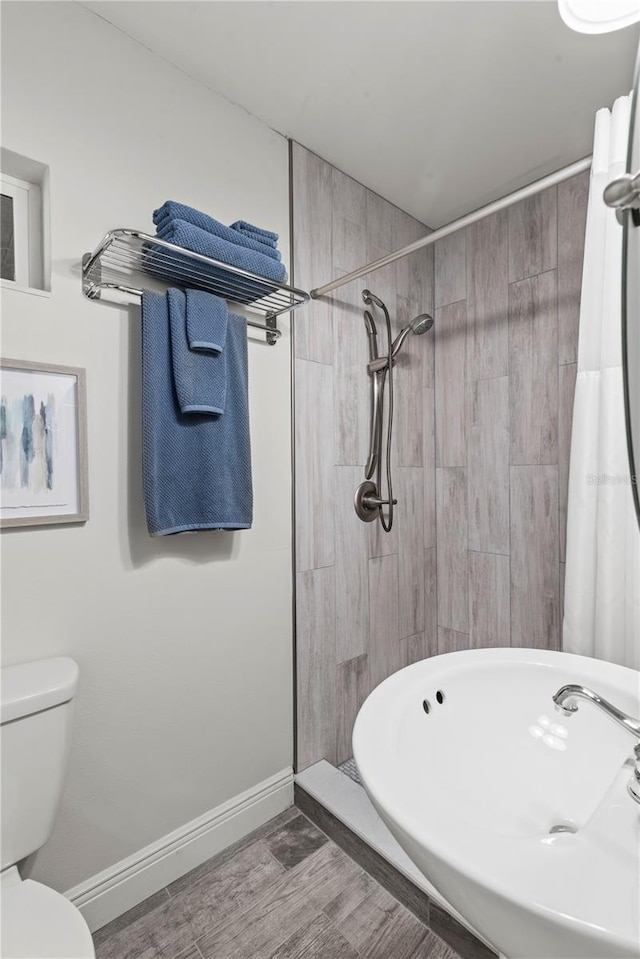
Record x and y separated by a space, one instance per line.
483 408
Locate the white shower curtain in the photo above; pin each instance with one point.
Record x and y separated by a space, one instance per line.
602 584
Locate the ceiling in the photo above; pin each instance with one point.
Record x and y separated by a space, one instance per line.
439 106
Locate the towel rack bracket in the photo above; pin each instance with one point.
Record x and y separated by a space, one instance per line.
272 324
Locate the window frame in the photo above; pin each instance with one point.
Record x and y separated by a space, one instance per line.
27 231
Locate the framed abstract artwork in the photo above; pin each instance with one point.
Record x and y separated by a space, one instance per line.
43 444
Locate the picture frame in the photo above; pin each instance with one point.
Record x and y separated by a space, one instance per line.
44 477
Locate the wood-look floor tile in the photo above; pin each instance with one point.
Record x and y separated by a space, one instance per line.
402 937
130 943
364 924
319 940
130 916
573 198
487 297
400 888
533 370
349 898
295 841
293 902
353 685
207 869
432 947
166 931
316 666
451 269
203 906
191 953
533 234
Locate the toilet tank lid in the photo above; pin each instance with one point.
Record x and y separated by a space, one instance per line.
32 687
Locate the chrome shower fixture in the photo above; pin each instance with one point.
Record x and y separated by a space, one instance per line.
369 501
418 325
370 298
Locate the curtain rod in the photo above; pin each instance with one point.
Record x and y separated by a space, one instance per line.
558 177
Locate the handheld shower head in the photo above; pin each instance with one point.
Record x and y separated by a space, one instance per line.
421 324
370 298
372 334
418 325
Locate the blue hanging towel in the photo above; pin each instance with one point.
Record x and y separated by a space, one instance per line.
196 466
199 377
206 321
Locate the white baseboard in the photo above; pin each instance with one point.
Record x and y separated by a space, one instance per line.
130 881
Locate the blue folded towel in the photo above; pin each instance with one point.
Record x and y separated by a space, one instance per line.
196 466
199 378
185 272
260 239
170 211
243 227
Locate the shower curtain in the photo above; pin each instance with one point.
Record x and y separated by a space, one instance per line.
602 583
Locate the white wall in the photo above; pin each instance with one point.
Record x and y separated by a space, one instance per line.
184 643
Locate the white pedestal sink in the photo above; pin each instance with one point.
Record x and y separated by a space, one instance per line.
518 815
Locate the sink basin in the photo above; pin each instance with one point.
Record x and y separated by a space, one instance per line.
518 815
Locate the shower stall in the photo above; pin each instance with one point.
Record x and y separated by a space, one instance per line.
472 552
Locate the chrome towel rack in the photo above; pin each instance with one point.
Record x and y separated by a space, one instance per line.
130 262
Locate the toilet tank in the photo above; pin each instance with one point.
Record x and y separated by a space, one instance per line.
35 708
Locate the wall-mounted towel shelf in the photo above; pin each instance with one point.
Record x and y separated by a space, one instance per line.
127 260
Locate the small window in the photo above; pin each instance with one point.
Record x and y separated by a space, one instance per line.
22 222
15 229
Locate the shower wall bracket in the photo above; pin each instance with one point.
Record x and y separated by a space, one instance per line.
129 262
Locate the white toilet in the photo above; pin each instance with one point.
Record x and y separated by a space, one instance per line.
36 715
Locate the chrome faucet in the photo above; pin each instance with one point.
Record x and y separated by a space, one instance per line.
565 701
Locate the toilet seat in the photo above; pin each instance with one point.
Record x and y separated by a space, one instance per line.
37 921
